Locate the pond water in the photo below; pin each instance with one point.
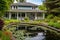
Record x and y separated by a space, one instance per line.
33 33
39 36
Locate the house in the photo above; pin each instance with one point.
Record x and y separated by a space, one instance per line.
22 10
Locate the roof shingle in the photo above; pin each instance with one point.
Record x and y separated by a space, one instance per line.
23 4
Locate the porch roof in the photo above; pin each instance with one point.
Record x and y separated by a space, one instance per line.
21 10
23 4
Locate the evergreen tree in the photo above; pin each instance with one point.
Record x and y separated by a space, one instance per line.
52 5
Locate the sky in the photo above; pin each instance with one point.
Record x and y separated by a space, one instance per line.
38 2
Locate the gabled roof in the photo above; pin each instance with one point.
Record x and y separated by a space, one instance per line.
23 4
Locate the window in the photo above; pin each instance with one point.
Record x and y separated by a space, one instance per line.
23 14
24 7
13 7
19 14
14 16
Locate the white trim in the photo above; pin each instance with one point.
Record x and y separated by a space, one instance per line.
25 15
43 15
35 16
9 15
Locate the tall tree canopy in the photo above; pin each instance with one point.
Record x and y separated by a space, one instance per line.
4 5
53 5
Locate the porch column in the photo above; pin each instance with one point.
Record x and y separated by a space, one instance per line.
43 15
35 16
20 16
12 7
25 15
17 16
9 15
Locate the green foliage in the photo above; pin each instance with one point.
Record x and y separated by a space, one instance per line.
51 23
18 34
56 19
56 25
4 5
52 5
50 16
11 21
26 19
42 7
3 36
0 34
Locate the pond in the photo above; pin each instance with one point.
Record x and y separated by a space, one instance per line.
39 36
23 32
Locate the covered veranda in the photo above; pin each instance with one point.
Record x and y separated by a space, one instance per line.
21 15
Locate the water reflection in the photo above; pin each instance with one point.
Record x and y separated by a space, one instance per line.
40 36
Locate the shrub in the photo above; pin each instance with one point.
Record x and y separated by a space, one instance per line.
3 36
1 24
55 19
9 21
47 20
50 16
26 19
51 23
56 25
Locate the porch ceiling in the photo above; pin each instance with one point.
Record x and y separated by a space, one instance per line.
25 10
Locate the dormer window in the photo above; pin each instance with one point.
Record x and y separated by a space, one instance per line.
13 7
